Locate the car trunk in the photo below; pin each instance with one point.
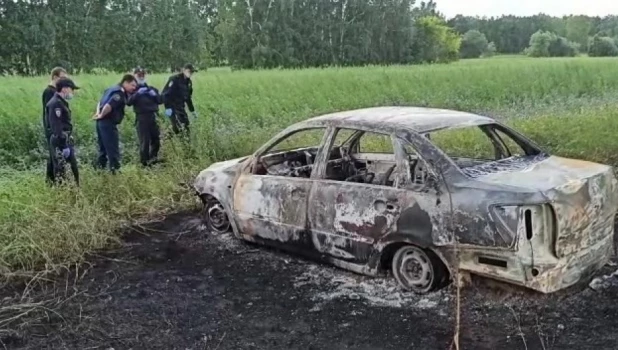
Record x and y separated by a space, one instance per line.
582 195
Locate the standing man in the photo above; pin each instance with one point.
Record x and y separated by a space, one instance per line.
48 93
58 117
145 102
110 113
177 92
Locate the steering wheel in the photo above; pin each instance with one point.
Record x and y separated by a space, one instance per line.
263 164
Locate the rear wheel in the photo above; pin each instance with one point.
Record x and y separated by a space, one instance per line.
215 215
418 270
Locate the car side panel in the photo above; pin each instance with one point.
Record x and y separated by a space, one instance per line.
271 207
347 219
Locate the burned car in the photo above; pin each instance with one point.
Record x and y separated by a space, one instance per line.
421 192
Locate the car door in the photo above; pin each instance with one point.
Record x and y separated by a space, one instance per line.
274 207
347 219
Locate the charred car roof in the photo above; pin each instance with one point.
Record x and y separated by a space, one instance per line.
418 119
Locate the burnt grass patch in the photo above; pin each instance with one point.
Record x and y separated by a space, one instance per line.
173 285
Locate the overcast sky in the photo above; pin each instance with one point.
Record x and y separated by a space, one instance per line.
489 8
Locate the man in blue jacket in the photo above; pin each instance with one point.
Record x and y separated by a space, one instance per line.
145 102
110 113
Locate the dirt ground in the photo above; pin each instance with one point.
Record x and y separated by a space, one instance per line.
175 286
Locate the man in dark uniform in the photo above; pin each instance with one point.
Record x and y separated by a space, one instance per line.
177 92
145 102
48 93
58 117
110 113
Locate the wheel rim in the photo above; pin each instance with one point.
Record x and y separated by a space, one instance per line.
415 269
217 217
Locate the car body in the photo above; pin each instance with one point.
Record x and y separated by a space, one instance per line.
521 216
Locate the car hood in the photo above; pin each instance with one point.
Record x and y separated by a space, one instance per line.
227 165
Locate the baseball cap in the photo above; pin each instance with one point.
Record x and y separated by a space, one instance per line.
139 70
65 82
190 67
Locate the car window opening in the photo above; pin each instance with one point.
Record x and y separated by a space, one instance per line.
484 149
293 156
362 157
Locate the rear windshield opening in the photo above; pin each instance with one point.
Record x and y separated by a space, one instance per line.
483 149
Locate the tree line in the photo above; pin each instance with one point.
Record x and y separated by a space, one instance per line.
101 35
543 35
113 35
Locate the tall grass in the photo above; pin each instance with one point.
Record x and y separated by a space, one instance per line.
568 106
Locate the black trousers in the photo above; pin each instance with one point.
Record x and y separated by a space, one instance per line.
49 172
59 162
180 120
149 137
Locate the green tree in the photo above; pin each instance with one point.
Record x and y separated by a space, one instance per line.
602 46
578 29
490 51
473 44
547 44
434 41
561 47
539 44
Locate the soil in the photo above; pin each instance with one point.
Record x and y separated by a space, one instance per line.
173 285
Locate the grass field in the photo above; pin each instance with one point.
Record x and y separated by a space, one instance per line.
569 106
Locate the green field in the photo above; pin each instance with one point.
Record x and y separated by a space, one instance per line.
569 106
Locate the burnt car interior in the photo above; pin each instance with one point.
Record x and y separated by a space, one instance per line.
356 156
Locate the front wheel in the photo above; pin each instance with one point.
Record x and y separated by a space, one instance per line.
215 216
417 270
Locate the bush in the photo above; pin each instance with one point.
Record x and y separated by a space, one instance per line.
473 44
434 41
539 44
561 47
490 50
548 44
602 46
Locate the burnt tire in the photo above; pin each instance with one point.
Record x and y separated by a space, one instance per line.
215 215
418 270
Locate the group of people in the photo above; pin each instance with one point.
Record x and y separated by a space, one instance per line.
132 90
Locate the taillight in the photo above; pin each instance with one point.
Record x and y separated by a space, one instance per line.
533 223
507 220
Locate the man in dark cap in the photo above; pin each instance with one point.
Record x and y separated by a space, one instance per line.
145 102
177 92
48 93
58 117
